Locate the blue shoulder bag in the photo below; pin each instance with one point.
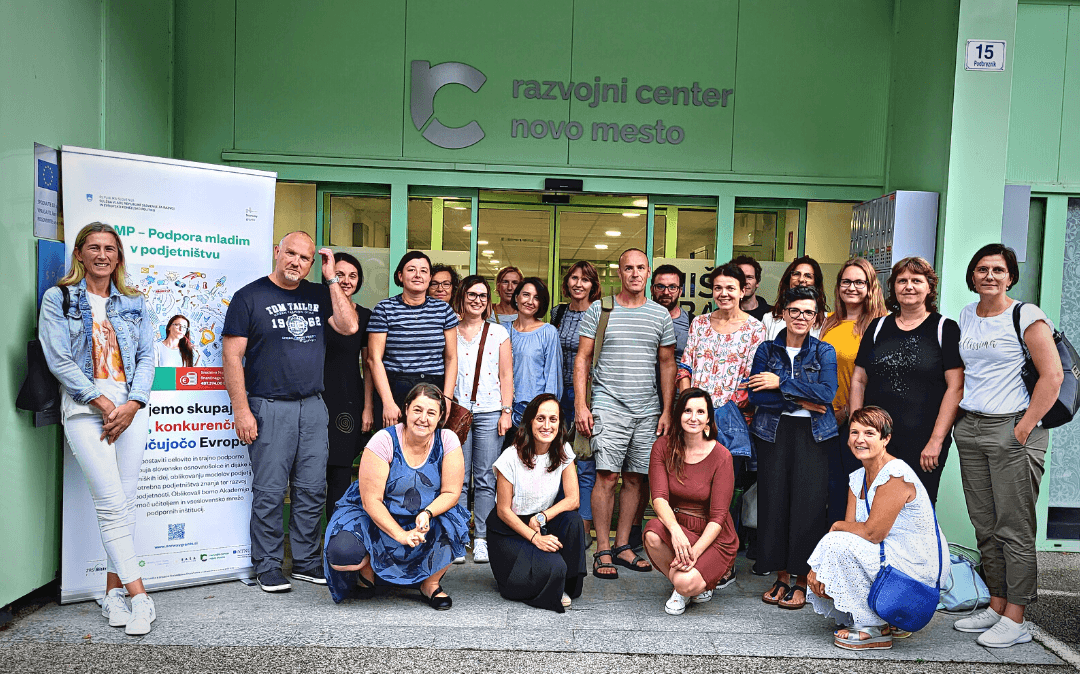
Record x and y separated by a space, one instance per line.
897 597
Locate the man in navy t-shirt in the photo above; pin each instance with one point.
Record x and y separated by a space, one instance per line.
273 350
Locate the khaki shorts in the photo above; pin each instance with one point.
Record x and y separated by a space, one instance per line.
621 443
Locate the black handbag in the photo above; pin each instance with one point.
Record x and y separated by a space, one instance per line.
1068 401
40 391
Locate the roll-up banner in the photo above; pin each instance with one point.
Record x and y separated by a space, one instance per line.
193 234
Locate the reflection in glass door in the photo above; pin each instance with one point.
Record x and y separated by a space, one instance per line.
598 235
514 235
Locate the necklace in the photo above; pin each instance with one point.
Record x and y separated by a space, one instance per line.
909 325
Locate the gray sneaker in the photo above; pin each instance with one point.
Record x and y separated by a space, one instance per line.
980 622
115 608
1005 633
142 614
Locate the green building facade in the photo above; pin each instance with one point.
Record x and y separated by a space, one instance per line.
706 128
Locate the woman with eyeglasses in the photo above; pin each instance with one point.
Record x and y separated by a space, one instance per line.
909 364
444 283
176 350
506 282
491 405
858 301
803 271
792 385
1000 443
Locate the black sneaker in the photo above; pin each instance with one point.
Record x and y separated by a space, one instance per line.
724 582
274 581
313 575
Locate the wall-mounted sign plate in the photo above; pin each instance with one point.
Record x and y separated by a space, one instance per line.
985 55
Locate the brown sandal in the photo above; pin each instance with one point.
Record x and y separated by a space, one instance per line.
789 603
775 593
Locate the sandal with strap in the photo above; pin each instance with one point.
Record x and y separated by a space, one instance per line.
634 565
878 637
775 593
597 565
436 602
789 603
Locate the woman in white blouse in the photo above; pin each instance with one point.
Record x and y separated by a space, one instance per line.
538 544
488 397
176 350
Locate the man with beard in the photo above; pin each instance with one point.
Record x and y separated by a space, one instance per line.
667 289
273 351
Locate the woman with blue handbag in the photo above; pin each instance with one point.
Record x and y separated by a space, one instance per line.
889 539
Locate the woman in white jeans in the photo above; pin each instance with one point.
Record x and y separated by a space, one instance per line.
98 341
490 407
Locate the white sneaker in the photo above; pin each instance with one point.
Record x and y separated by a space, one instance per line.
480 551
142 614
115 608
1004 634
676 605
566 600
459 560
702 598
980 622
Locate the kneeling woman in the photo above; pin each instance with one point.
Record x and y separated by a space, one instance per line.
692 540
401 521
886 504
537 546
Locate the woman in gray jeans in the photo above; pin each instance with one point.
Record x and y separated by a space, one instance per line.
1000 444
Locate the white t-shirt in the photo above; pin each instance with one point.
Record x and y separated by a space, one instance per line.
536 489
488 394
166 357
109 376
992 359
793 351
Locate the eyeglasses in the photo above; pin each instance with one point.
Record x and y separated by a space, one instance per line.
809 276
992 271
442 284
847 283
670 289
796 314
474 297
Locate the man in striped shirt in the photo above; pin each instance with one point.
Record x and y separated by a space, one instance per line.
627 414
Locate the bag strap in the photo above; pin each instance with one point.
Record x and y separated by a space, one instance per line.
941 332
601 329
877 328
558 313
1016 326
881 545
67 299
479 360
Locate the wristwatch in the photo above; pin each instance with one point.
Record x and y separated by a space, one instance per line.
507 410
541 519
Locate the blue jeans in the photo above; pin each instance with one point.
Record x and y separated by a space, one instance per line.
480 450
586 468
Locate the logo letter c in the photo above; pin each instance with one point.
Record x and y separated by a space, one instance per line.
426 82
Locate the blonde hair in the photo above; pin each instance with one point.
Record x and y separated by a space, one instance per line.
873 303
77 272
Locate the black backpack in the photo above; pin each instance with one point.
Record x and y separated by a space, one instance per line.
1068 400
40 391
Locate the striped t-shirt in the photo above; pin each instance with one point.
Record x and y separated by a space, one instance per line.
415 336
624 379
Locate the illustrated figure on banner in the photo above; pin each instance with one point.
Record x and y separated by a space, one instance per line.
178 296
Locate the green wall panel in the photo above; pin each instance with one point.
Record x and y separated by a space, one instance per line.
1038 73
506 41
1069 163
812 87
920 97
205 51
321 77
651 45
138 76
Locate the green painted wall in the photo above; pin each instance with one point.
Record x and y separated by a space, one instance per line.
63 90
809 81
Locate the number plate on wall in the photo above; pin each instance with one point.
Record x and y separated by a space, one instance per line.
985 55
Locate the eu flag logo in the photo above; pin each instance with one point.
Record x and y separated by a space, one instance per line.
48 176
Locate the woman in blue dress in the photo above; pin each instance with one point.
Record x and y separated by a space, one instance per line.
401 521
536 349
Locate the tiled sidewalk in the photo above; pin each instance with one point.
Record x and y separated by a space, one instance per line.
623 616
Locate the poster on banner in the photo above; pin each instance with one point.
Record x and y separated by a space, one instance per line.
46 192
193 234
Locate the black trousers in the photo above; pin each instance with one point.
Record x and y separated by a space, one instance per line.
842 463
793 490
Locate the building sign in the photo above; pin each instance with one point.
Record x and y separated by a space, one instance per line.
426 80
985 55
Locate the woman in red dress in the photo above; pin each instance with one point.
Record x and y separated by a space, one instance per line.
692 541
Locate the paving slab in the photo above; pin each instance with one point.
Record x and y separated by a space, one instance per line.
611 617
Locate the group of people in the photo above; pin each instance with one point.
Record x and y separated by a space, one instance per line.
629 393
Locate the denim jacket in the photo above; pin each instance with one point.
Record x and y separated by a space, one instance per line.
814 380
66 340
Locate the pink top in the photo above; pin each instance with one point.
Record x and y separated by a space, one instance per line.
720 361
382 445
